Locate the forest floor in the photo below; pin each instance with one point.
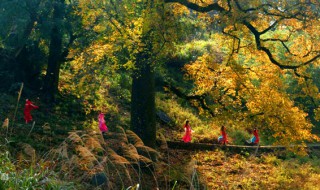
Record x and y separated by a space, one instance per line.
188 169
224 170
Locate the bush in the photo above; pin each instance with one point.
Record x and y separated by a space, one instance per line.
35 177
239 136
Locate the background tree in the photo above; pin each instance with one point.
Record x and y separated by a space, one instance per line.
50 86
255 37
250 40
19 18
35 38
115 39
130 37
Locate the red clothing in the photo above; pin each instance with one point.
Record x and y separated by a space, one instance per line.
224 138
256 135
27 109
187 137
102 123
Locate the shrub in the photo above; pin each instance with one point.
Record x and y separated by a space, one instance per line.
35 177
238 136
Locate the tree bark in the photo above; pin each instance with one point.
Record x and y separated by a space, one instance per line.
52 76
143 116
50 87
143 111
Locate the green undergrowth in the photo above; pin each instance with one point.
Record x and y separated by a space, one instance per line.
24 175
50 124
48 129
216 170
205 129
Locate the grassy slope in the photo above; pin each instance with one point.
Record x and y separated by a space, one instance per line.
22 168
223 170
216 170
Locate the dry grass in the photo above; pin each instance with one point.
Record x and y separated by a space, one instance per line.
222 171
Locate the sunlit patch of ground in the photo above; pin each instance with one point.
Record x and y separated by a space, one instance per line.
219 170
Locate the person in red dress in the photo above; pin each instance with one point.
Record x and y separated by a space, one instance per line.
102 123
27 109
223 138
255 139
187 137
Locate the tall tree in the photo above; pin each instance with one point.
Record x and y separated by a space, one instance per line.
50 86
34 37
143 84
257 33
20 20
262 40
131 35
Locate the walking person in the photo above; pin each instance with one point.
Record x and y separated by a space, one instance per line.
102 123
187 136
27 109
223 138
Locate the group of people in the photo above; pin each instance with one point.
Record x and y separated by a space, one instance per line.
223 139
29 106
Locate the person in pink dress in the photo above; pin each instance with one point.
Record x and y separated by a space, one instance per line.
223 138
102 123
27 109
187 137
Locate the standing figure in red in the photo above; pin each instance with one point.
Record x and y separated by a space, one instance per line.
255 139
102 123
223 138
187 137
27 108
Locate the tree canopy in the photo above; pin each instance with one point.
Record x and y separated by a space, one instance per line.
258 47
253 62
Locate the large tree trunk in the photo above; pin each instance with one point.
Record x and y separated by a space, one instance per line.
143 108
143 101
50 87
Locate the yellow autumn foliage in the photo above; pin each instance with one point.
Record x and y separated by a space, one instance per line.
267 101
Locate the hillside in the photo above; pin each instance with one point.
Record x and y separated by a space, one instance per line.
59 140
159 94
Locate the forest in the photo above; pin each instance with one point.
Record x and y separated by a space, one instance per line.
159 94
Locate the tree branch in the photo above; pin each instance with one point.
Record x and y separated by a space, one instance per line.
294 13
199 98
196 7
235 38
282 42
299 75
251 9
270 27
257 35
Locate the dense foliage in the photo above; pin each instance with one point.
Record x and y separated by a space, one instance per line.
239 63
